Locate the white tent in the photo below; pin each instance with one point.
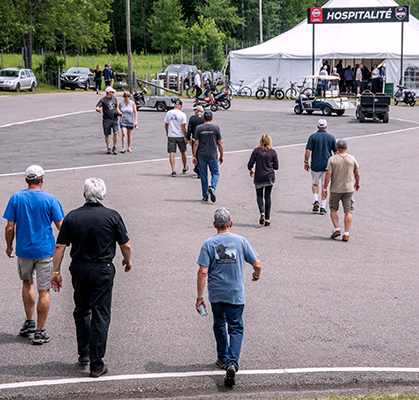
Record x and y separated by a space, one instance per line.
288 57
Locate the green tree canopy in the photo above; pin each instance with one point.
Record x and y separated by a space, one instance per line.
167 26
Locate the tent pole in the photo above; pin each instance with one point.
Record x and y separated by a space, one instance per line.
312 57
401 57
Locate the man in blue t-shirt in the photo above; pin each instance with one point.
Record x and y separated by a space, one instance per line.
222 259
320 146
29 215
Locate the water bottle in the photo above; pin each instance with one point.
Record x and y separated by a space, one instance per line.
202 310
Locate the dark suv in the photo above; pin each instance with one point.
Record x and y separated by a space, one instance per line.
183 71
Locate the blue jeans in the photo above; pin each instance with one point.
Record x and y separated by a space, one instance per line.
203 171
232 315
98 82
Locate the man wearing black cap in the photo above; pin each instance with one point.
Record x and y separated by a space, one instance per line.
29 215
194 121
207 140
222 259
342 168
175 126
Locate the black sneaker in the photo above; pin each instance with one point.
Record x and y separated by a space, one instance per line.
114 150
96 374
173 173
28 328
41 337
322 211
84 360
185 170
229 380
109 151
205 198
212 194
316 206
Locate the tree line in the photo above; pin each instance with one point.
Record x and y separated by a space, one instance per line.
157 26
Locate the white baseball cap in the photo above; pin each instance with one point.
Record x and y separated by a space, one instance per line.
321 123
34 172
110 89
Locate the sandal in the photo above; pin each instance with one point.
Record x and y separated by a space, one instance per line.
267 222
122 151
262 219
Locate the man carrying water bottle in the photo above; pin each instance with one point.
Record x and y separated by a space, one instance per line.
222 259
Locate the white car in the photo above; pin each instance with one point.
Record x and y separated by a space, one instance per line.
17 79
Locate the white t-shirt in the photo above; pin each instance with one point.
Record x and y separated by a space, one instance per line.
197 80
375 73
175 119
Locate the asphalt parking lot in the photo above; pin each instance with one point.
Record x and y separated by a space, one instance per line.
321 305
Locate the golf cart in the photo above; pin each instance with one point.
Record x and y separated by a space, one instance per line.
376 106
332 102
160 103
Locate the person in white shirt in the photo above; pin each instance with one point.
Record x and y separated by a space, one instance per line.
375 77
197 83
175 125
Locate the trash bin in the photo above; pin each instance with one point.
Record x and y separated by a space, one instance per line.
389 89
156 91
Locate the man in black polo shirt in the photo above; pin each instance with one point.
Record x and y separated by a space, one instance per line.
93 231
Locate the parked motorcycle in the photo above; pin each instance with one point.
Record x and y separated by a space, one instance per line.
223 99
404 96
207 101
121 82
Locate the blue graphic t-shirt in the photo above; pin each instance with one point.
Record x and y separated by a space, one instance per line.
33 211
224 255
321 144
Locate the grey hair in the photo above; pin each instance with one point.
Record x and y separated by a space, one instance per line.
94 190
341 144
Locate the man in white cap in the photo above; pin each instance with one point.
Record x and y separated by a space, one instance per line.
222 259
108 107
342 168
320 146
29 215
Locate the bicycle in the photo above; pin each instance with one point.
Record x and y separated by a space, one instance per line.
244 91
295 90
260 93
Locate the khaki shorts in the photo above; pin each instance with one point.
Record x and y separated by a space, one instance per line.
316 177
173 141
347 201
43 267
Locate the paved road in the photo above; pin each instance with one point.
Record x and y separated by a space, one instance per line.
319 304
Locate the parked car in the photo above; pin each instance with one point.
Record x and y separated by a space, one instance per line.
17 79
218 77
183 71
78 77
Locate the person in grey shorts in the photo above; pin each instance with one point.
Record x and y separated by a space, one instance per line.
342 168
108 106
175 126
128 120
29 214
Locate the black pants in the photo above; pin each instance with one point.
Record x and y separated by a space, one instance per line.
264 208
92 283
198 91
375 85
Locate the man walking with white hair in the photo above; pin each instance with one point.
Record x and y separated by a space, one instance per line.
342 168
320 146
93 231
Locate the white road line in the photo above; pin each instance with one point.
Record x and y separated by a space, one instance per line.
226 152
45 118
52 382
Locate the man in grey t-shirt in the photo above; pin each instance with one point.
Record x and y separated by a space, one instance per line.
358 79
108 107
207 141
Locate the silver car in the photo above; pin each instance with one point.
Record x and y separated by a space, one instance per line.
17 79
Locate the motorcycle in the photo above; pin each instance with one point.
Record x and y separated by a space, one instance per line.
223 99
121 83
207 101
404 96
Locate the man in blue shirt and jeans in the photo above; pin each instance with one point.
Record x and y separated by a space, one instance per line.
222 259
29 215
320 146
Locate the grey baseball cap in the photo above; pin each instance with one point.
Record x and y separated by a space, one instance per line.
341 144
222 216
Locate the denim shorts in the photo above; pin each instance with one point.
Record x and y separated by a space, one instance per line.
130 128
43 267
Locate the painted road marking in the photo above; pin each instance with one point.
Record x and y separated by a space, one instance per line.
52 382
45 118
226 152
